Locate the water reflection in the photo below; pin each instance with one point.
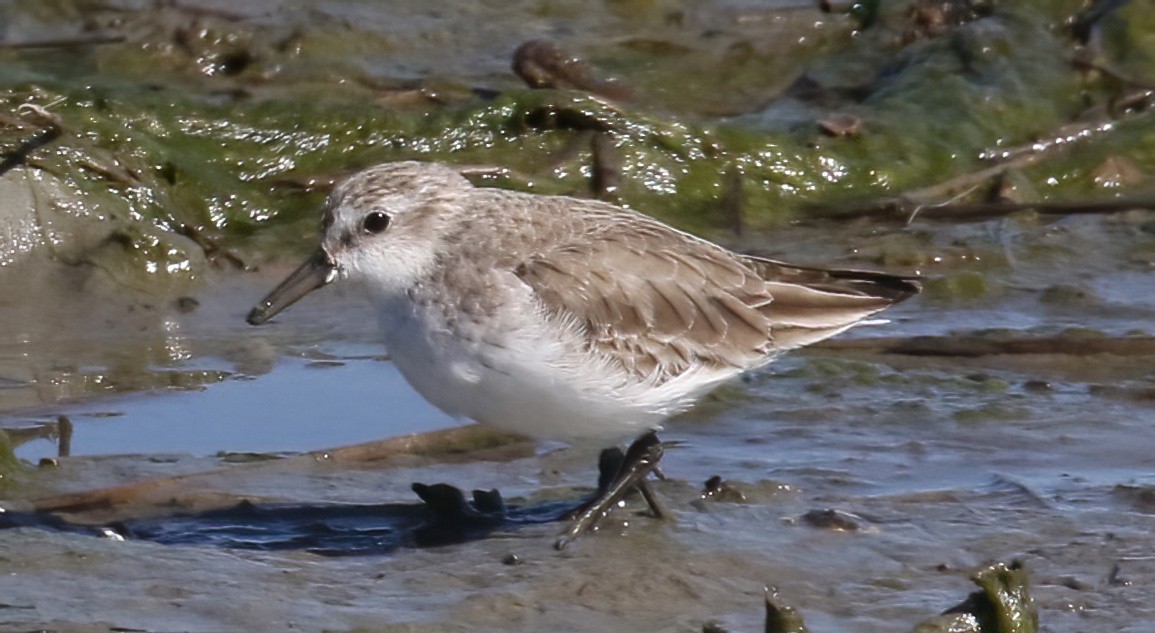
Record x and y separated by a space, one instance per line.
299 406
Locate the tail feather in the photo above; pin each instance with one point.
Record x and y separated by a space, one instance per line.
812 304
893 288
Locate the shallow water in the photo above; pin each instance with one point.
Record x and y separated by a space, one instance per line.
244 415
947 461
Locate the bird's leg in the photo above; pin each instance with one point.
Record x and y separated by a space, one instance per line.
641 459
652 500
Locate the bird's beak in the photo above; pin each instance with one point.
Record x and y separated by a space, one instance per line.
318 271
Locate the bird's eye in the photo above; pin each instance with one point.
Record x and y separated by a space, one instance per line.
375 223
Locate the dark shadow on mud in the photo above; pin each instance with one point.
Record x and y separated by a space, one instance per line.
444 517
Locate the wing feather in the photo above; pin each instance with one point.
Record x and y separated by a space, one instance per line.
660 302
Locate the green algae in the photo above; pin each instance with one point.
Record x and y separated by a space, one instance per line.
10 466
229 126
830 372
1003 604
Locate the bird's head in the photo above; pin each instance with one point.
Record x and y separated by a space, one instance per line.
381 226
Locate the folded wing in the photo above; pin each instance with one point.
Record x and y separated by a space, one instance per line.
661 302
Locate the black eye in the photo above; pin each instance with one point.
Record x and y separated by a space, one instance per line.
375 222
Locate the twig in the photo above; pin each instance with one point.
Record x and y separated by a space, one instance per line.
606 179
973 345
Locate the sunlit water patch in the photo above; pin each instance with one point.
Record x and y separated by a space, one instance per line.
300 405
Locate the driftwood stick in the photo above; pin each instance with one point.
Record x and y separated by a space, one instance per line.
450 444
972 346
447 445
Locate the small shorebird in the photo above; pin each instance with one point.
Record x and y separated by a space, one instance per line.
563 318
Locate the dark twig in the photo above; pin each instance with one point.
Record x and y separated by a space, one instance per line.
64 436
973 345
733 202
607 168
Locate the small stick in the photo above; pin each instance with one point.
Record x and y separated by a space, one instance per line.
971 346
606 180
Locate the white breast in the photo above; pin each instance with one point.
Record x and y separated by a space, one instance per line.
522 377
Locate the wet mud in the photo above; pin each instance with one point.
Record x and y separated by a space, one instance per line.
1005 414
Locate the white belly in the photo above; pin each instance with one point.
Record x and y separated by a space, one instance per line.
525 384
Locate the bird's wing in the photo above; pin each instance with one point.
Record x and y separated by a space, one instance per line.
661 302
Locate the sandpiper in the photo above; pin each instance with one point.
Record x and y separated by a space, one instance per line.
558 317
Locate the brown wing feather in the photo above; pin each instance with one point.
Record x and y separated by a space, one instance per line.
659 301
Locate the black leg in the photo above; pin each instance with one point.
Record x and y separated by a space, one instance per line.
656 506
639 461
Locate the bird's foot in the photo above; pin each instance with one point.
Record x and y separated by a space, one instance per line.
615 483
